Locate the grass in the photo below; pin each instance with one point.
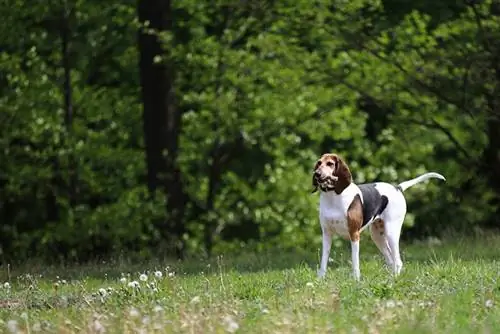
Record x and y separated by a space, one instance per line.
448 288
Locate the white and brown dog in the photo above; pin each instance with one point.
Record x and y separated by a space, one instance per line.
346 209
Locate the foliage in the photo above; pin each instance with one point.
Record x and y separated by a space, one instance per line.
264 88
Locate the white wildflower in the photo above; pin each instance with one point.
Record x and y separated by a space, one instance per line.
390 304
171 274
265 311
98 327
123 280
103 292
6 285
309 284
133 312
64 281
37 327
12 326
24 316
488 303
230 324
195 300
133 284
158 274
143 277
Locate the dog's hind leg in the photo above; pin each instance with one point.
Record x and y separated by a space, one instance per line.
377 232
393 233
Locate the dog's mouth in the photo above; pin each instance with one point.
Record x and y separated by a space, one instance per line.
326 183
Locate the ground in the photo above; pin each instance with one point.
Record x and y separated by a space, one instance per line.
450 287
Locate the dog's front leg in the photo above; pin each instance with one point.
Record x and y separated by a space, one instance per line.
355 259
325 254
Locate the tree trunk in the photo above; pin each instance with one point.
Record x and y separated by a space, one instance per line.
66 30
162 120
491 155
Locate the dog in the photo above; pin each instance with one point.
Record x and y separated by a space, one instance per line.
346 209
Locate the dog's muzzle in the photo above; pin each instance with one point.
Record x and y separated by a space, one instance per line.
325 183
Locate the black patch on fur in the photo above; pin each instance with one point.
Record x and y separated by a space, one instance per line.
373 202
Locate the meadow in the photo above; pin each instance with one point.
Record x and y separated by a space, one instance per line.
448 286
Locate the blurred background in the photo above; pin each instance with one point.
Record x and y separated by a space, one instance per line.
191 127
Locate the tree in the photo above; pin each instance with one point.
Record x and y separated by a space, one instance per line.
161 117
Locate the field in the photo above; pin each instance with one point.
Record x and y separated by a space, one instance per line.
447 287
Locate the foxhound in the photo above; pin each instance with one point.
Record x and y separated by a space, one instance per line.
346 209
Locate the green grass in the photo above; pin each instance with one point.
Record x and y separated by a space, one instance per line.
448 288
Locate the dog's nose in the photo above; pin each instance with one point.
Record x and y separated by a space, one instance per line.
317 173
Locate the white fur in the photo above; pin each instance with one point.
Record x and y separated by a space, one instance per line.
333 219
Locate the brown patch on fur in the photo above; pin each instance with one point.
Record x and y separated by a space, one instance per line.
378 226
331 164
355 218
344 175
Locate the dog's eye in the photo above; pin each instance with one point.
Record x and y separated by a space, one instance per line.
329 163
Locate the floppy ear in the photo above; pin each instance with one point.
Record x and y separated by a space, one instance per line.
341 170
343 174
314 182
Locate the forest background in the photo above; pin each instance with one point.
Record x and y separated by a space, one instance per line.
191 127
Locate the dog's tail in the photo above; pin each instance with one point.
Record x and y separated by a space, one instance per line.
407 184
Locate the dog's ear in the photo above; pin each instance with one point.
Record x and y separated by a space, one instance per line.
343 173
314 182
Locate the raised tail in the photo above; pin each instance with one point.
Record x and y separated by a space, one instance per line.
407 184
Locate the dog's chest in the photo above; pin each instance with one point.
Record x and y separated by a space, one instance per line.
333 215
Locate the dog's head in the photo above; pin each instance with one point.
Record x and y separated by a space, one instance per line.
331 174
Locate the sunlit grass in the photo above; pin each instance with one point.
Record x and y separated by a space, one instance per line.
444 288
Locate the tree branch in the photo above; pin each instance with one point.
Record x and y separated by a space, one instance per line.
434 124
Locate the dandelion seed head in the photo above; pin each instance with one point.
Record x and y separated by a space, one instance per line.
133 312
230 324
98 327
390 304
12 326
37 327
133 284
143 277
